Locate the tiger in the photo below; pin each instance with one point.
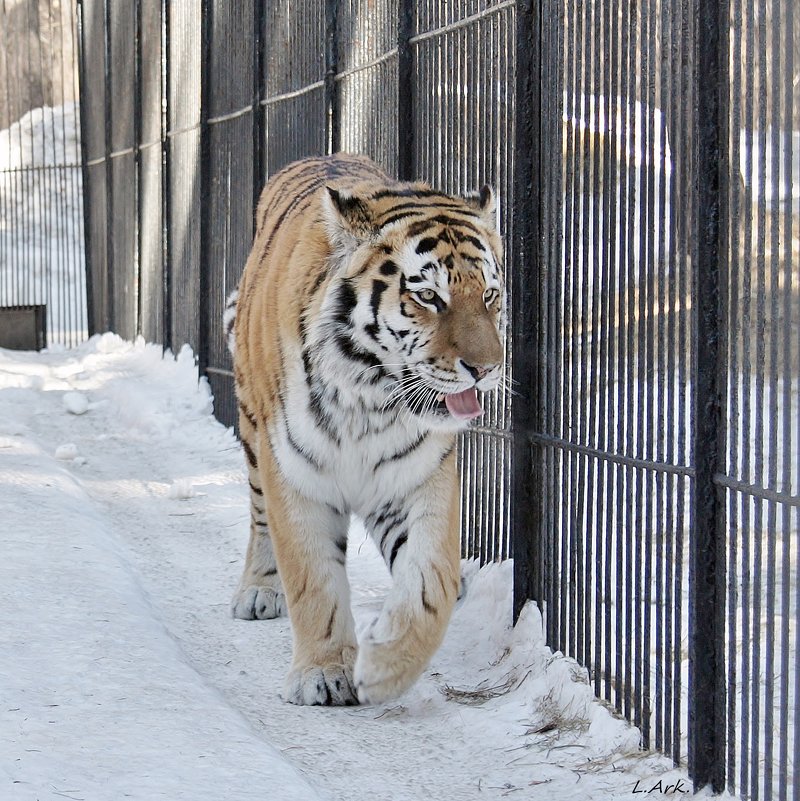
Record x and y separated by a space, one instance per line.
369 316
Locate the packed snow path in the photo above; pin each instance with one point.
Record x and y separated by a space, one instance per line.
123 526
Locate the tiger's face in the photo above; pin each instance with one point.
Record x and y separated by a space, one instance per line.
421 295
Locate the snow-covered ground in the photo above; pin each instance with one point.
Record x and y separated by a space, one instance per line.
122 675
41 219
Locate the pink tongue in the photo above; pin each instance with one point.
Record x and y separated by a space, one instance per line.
464 405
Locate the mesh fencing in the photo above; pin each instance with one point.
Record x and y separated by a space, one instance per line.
41 208
646 157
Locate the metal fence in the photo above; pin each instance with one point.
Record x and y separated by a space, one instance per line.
659 418
647 159
41 235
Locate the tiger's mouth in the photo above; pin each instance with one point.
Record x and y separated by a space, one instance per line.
462 405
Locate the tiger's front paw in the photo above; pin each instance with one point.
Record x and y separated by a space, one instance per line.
386 668
258 602
324 685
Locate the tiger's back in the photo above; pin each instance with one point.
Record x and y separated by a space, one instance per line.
368 315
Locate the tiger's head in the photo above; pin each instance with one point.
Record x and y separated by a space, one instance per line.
418 302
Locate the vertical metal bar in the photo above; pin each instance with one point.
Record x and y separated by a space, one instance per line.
760 669
109 320
707 626
206 66
87 243
735 553
773 416
743 434
332 105
405 92
789 344
684 247
567 459
526 498
607 351
166 171
259 92
137 162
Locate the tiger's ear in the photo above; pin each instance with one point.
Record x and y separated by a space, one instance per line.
348 219
485 204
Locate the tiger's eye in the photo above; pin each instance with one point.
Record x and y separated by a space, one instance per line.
426 294
489 296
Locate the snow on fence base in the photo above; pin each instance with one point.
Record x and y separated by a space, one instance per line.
23 327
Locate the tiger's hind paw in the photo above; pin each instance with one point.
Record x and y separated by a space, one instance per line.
258 602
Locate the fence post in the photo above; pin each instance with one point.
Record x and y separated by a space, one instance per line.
332 106
526 501
206 44
137 159
259 92
109 318
91 326
707 710
166 169
405 92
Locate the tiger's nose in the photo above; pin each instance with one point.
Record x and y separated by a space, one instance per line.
478 371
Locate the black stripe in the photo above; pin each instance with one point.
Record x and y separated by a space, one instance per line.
305 355
357 354
420 227
298 448
431 610
476 243
398 335
398 544
345 301
378 288
388 268
426 244
251 418
323 274
403 453
256 490
251 457
448 451
455 222
410 191
400 216
427 208
321 417
329 630
452 223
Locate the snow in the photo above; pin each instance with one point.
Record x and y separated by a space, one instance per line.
124 676
75 402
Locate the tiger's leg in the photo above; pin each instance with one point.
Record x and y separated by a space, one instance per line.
259 595
419 539
310 540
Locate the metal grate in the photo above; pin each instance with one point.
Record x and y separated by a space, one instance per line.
462 71
41 212
759 469
645 156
